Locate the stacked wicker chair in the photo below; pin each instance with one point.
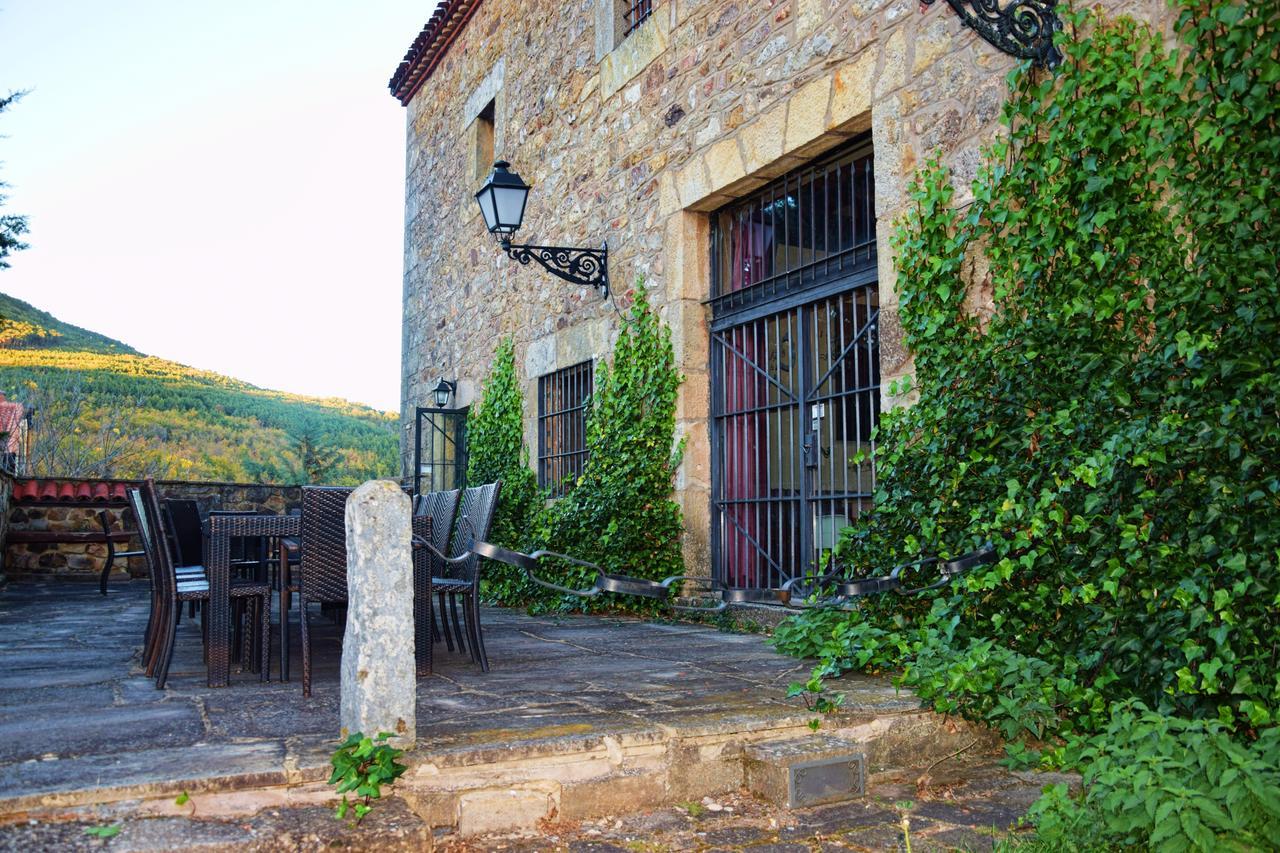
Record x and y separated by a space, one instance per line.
439 508
322 569
460 576
171 589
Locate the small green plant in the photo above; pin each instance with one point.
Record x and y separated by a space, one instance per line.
620 512
816 699
694 809
104 831
363 765
496 451
182 799
904 808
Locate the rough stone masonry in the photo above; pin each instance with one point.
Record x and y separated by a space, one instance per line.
638 139
378 673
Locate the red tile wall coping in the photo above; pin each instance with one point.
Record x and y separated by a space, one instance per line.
74 492
70 491
61 538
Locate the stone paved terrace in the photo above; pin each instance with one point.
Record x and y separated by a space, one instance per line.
580 717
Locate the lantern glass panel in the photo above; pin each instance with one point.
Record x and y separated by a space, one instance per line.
509 202
485 199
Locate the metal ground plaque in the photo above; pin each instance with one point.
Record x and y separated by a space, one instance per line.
827 780
806 771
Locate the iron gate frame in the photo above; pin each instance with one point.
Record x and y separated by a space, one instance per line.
459 440
799 289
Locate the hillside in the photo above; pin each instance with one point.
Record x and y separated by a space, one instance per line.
24 326
104 409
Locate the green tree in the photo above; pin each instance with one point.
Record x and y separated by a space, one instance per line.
12 226
496 451
316 458
620 513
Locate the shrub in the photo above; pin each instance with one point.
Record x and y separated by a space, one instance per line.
496 451
620 513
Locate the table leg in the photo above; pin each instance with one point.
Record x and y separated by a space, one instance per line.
218 565
106 570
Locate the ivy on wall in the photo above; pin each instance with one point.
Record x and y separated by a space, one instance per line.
1113 428
620 512
496 451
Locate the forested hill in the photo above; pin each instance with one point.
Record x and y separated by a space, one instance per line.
24 326
105 410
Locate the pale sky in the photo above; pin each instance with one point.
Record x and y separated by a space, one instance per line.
220 184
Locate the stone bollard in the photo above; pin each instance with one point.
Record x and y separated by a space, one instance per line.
379 682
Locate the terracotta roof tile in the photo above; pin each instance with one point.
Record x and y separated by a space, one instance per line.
71 491
430 47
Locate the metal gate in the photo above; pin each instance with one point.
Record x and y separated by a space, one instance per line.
794 370
439 450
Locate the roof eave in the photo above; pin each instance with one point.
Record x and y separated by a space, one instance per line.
430 47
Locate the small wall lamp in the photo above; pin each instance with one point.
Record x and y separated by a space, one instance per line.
502 201
443 391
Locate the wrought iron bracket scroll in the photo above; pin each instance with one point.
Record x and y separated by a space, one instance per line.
589 267
1022 28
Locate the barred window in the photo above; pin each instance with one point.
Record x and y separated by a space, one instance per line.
634 13
562 426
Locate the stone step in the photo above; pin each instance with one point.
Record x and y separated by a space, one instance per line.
504 784
806 771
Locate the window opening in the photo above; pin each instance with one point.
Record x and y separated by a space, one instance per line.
484 141
562 426
634 13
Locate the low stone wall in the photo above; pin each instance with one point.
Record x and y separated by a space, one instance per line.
73 561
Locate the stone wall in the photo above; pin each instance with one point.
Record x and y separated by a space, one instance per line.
81 561
637 142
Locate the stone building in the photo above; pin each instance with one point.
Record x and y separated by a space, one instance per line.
745 160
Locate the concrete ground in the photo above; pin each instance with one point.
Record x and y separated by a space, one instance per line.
658 712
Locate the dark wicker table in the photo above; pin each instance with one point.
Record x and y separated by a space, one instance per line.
219 531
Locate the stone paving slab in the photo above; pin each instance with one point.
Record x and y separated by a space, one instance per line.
139 772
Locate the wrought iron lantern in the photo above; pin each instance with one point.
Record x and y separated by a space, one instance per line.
443 391
1021 28
502 202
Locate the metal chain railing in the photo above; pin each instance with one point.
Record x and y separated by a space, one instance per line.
829 590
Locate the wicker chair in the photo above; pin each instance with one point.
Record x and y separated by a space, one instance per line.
462 578
186 544
173 591
322 569
150 642
288 557
183 519
440 507
151 639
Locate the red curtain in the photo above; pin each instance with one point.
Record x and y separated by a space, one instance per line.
746 456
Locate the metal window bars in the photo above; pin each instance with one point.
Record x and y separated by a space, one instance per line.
795 380
562 426
634 13
813 225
